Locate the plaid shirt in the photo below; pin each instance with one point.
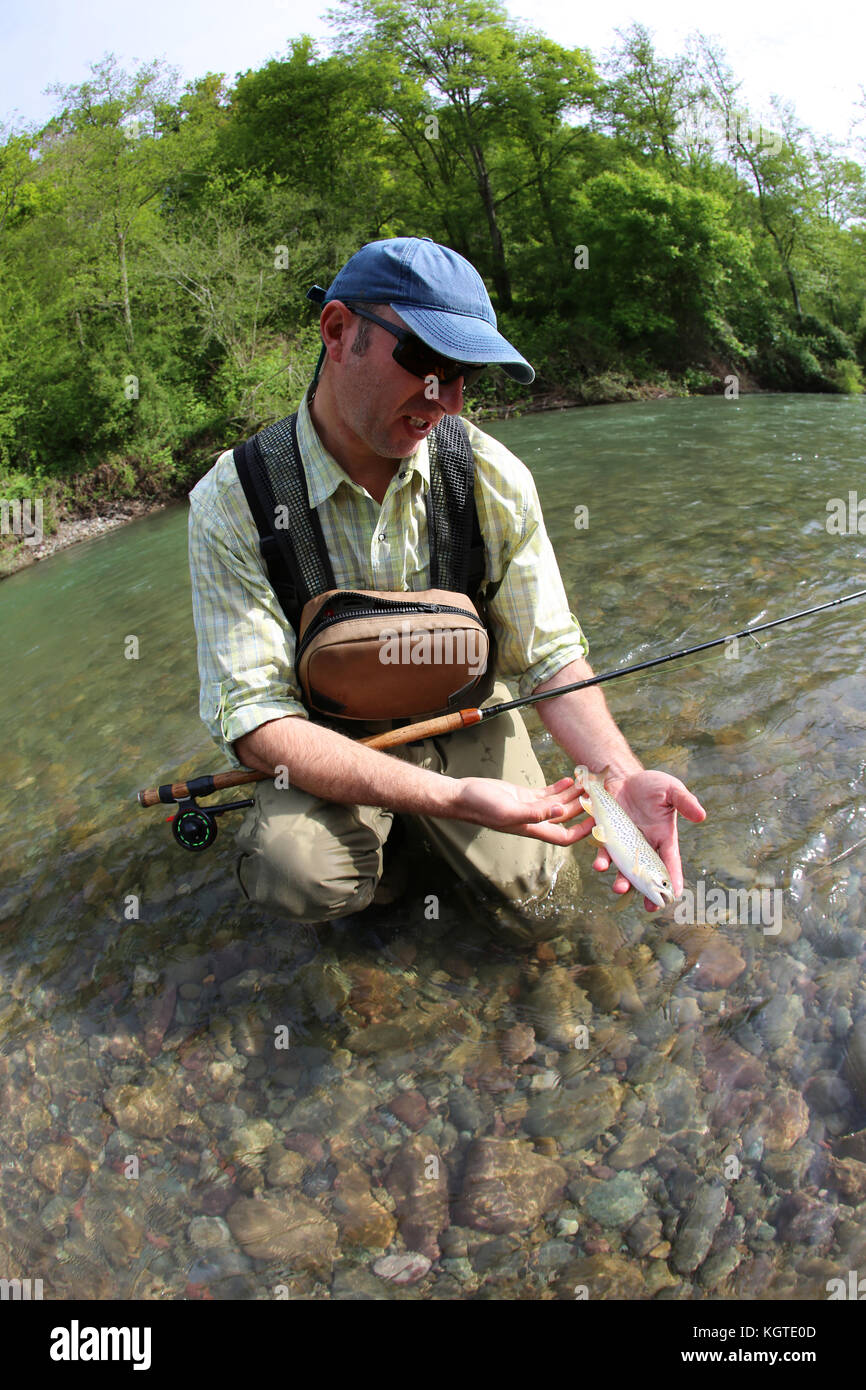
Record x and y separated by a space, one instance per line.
246 647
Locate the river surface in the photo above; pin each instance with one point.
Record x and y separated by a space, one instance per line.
200 1102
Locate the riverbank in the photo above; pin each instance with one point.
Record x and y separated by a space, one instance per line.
71 530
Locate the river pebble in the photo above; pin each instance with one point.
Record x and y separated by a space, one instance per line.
402 1269
557 1006
62 1168
417 1182
285 1228
506 1186
617 1201
695 1235
149 1111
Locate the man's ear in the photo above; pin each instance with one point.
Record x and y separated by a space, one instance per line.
335 328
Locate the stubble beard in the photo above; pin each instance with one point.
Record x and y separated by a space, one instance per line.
366 423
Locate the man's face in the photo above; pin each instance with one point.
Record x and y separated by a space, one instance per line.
387 408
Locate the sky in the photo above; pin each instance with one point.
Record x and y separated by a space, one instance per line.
808 53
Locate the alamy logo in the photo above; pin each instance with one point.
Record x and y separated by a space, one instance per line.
743 906
76 1343
443 647
20 1289
22 518
846 519
854 1289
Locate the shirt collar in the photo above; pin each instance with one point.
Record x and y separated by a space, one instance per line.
324 474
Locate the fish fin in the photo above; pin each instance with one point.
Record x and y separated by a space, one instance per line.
598 834
585 803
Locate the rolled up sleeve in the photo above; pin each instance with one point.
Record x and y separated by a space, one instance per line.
246 647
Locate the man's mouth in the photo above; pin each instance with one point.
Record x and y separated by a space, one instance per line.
417 425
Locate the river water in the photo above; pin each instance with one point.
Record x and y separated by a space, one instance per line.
200 1102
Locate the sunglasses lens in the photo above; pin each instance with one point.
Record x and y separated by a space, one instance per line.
416 357
471 375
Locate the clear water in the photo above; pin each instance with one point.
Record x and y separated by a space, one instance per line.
705 516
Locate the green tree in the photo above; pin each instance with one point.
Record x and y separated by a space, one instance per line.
103 150
456 80
661 263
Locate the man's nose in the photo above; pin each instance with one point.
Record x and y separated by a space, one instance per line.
451 396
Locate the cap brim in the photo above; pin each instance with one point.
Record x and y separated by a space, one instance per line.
465 339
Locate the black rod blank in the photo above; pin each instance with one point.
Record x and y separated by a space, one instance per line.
660 660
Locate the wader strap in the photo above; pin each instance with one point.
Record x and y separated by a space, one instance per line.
291 540
450 506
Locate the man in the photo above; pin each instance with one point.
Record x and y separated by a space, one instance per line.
313 850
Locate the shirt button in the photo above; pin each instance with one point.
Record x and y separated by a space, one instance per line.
381 535
402 475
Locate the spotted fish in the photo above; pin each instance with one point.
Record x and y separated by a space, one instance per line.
629 849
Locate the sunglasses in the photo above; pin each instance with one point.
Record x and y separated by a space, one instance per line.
414 355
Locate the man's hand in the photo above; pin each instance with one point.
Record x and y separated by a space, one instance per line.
652 799
538 815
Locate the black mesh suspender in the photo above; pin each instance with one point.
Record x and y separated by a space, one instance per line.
290 532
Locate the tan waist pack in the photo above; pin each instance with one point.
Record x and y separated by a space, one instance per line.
371 655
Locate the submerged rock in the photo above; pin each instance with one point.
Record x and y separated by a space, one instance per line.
848 1177
826 1093
325 987
853 1146
518 1043
729 1065
618 1201
247 1142
62 1168
362 1220
719 964
147 1111
612 987
507 1186
417 1182
856 1063
602 1276
783 1119
402 1269
285 1228
695 1235
644 1235
594 1104
637 1148
285 1168
411 1108
805 1221
557 1007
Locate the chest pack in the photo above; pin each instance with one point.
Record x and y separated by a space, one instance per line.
369 654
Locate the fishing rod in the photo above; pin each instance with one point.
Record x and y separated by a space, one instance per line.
195 827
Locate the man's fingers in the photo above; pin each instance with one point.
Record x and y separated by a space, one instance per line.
552 832
560 786
683 801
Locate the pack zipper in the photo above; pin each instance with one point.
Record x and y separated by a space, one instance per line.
385 605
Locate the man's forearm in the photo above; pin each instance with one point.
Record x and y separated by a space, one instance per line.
336 768
582 724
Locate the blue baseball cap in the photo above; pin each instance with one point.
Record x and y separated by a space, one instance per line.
436 292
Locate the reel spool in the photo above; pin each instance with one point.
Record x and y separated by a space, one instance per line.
195 827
